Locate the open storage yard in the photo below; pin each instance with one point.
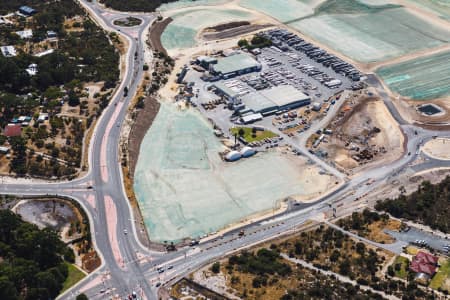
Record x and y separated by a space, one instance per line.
362 133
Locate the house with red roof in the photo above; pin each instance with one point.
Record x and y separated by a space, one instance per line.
13 130
424 265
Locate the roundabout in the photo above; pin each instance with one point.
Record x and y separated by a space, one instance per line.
127 22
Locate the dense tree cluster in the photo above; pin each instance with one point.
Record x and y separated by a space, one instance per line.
85 55
258 41
135 5
81 55
268 271
32 261
429 205
330 249
264 262
360 223
323 287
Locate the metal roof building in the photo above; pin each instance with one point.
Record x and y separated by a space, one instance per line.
26 10
8 51
234 65
283 97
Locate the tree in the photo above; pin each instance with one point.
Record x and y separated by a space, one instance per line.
7 289
243 43
241 132
334 256
215 268
74 100
82 297
344 267
390 271
360 248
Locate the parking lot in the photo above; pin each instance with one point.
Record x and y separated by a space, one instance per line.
296 69
421 238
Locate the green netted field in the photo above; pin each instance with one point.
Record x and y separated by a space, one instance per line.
420 79
185 189
181 32
283 10
374 36
439 7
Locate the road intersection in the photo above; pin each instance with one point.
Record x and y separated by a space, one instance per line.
129 266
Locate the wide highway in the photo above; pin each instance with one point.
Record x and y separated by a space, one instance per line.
127 265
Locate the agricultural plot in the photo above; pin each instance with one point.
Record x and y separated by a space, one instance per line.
182 31
373 36
439 7
189 3
421 79
284 10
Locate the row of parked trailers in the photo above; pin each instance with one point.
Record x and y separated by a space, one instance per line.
282 38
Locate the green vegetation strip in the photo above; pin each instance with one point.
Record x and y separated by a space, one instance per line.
438 281
429 205
251 136
400 266
73 277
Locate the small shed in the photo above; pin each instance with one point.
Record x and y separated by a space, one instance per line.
27 11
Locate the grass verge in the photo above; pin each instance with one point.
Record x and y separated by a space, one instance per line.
402 271
74 276
250 137
439 280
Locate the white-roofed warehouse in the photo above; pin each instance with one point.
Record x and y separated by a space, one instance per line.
269 101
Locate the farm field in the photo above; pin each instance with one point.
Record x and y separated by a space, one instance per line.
421 79
285 10
188 3
373 36
182 31
439 7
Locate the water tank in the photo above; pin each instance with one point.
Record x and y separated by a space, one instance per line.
247 152
233 156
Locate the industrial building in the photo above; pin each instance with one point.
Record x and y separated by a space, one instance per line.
270 101
206 61
234 65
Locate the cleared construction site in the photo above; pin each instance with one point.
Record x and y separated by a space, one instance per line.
361 135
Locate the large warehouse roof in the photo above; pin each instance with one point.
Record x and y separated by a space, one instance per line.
283 95
274 98
257 102
235 63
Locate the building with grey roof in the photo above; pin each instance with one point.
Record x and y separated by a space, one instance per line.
269 101
234 65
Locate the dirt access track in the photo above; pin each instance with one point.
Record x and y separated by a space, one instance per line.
364 135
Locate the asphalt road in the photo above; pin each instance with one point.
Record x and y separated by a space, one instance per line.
127 265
